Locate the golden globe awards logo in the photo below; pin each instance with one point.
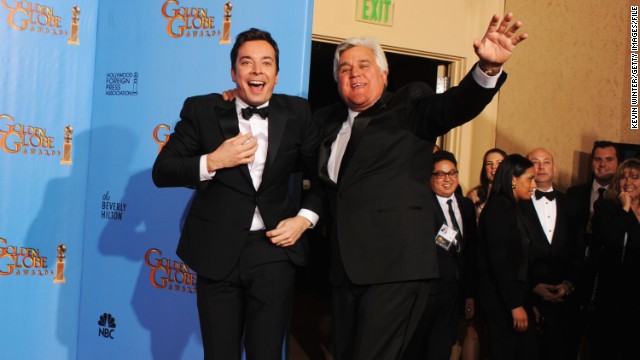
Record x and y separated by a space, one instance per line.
185 21
22 261
34 17
169 274
26 139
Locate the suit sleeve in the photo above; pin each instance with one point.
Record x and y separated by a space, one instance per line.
437 114
610 222
177 163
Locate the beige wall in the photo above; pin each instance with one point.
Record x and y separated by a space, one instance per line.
569 82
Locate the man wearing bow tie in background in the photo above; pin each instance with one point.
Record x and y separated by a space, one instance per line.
554 257
242 234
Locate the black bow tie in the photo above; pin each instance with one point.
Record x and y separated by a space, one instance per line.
249 111
551 195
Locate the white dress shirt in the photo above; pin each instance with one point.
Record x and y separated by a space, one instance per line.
339 146
259 127
547 213
456 210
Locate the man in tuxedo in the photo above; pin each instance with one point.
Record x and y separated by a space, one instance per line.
605 158
375 162
242 234
554 257
456 237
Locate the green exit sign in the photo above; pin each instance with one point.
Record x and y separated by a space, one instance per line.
378 12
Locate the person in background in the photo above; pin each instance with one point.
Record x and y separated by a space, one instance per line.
490 161
503 263
243 232
474 336
616 231
555 258
605 158
455 237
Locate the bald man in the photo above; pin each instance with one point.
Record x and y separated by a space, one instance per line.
555 256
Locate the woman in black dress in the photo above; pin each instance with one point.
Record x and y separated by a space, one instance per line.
503 261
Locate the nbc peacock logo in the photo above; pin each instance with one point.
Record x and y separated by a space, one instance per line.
107 325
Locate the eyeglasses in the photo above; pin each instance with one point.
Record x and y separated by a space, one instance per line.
441 174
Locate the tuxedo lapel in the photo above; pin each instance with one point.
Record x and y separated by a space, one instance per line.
331 132
358 129
228 120
561 219
438 212
277 124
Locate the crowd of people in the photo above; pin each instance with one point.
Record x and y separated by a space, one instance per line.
555 271
411 257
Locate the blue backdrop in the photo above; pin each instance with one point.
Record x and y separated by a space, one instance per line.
117 73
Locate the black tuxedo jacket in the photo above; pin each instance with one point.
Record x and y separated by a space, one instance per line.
458 267
222 209
579 198
560 260
382 206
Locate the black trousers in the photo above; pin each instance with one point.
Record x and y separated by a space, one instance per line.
253 301
437 329
375 321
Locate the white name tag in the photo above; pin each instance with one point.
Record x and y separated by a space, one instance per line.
446 237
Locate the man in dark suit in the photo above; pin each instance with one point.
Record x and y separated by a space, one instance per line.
456 238
605 158
554 255
376 173
242 235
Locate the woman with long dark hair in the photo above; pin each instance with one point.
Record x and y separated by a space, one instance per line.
474 340
490 162
503 260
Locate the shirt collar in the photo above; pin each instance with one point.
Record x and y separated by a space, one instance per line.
595 186
443 200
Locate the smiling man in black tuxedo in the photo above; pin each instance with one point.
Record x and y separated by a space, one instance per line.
375 162
242 235
555 257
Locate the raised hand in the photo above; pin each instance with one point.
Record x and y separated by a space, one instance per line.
498 43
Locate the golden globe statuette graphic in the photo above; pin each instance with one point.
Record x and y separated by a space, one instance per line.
73 38
59 278
226 24
66 148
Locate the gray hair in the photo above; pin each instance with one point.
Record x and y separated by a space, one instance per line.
370 43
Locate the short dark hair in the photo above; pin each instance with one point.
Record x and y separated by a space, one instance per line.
442 155
601 144
254 34
512 165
